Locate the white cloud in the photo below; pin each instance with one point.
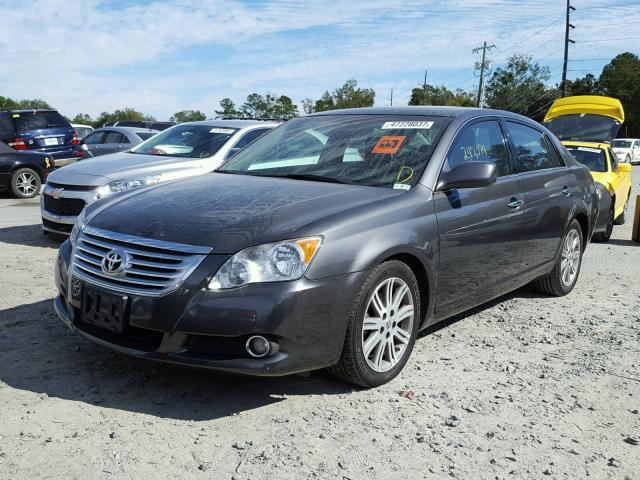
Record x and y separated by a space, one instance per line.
160 57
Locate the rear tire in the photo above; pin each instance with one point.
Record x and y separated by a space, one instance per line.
606 235
25 183
565 273
377 350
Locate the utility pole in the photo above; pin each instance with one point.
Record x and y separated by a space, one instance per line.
391 97
567 40
484 65
424 89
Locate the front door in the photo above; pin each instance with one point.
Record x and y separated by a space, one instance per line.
481 237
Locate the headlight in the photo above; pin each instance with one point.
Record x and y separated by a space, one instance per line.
126 184
77 227
271 262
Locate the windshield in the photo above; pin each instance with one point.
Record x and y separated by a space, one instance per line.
188 141
593 158
621 144
374 150
584 128
38 120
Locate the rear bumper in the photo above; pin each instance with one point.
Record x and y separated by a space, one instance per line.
306 318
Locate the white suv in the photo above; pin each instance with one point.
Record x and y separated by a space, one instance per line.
627 149
184 150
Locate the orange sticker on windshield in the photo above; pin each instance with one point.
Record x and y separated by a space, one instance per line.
388 145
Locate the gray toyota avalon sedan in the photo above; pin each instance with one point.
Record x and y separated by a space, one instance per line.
330 242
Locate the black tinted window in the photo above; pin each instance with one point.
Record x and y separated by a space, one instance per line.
6 125
480 142
38 120
94 139
531 148
589 157
250 137
112 137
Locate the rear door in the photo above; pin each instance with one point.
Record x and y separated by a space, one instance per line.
113 141
481 237
548 187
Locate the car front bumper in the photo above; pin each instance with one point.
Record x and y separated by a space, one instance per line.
307 319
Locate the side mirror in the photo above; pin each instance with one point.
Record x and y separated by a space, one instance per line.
468 175
624 168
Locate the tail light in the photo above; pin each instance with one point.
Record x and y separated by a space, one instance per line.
18 144
78 154
74 139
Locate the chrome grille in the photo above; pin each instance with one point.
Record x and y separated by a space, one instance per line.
155 267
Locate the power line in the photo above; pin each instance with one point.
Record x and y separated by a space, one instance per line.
611 6
607 40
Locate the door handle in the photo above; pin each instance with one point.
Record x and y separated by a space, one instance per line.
566 191
515 203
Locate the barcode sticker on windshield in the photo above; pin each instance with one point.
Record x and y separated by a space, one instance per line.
405 125
227 131
587 149
401 186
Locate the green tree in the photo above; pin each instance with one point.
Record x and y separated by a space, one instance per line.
346 96
587 85
120 115
521 87
433 95
308 106
268 106
83 118
227 109
619 79
188 116
7 103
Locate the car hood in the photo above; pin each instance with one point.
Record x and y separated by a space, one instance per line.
230 212
101 170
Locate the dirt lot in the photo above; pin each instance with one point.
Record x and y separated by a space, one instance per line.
524 387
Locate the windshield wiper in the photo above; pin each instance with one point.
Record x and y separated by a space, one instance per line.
312 177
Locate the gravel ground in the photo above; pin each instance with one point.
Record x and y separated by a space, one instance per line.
523 387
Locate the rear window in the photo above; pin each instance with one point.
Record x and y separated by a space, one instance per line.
584 128
38 120
590 157
621 144
145 135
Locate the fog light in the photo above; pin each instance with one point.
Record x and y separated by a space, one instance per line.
258 346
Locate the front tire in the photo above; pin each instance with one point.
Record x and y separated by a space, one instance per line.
25 183
565 273
383 326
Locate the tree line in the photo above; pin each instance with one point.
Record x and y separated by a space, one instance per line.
521 86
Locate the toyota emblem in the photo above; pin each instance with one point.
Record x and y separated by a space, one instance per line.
114 262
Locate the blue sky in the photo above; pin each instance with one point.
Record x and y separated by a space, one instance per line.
164 56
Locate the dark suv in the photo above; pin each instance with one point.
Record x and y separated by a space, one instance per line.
44 131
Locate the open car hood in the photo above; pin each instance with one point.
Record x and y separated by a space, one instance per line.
586 118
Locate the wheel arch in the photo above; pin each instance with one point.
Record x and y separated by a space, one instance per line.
425 283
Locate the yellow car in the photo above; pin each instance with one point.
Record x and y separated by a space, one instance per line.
587 125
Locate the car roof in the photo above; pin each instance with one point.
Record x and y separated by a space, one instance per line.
234 123
29 110
426 110
126 129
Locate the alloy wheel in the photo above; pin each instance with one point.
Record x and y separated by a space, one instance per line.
27 183
388 324
570 262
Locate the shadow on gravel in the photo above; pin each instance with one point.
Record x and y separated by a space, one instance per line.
40 355
623 243
29 235
524 292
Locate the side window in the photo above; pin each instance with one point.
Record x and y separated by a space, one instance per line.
532 150
94 139
480 142
250 136
112 137
123 138
553 153
613 159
